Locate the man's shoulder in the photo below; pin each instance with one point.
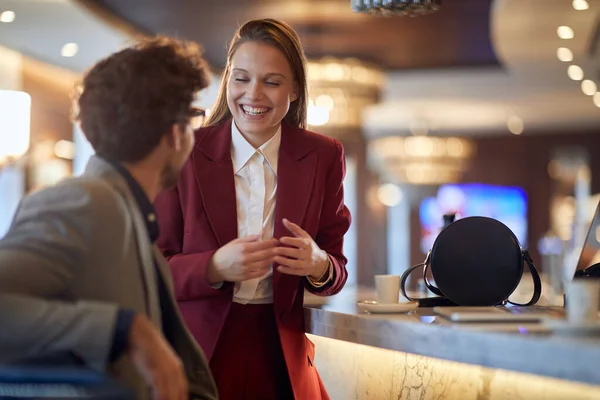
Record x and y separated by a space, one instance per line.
79 191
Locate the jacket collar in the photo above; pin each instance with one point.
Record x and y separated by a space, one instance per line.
242 150
215 142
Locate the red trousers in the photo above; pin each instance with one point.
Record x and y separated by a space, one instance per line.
248 362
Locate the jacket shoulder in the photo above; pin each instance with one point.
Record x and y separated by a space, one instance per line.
201 133
82 188
322 142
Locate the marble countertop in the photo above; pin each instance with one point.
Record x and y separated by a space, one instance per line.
522 348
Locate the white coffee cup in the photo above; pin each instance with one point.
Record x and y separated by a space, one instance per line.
388 288
583 299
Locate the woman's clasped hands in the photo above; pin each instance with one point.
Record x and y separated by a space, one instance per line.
242 259
249 257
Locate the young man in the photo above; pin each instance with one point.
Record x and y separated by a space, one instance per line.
79 271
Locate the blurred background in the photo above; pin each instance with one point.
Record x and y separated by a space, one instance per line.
483 107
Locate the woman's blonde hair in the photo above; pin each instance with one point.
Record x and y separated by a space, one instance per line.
281 36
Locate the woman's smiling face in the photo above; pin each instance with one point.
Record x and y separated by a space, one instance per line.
260 88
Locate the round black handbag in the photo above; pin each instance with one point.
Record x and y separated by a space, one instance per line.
475 261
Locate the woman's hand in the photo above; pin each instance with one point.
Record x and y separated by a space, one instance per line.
303 257
242 259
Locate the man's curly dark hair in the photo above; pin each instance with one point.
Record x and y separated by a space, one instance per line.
129 100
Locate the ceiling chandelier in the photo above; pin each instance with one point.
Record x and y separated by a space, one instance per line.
339 89
408 8
420 160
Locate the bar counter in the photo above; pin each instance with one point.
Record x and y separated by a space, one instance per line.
418 355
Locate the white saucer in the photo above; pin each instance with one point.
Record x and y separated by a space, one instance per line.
561 326
390 308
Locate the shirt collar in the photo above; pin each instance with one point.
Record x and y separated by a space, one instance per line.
142 200
242 151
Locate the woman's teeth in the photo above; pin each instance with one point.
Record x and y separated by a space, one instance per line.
254 111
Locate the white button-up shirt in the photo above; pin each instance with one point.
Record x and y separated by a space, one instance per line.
255 191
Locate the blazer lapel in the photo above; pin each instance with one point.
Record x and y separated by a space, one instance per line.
213 168
99 168
146 255
295 176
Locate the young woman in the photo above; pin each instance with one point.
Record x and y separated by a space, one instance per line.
257 217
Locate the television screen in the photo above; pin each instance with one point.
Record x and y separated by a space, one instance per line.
506 204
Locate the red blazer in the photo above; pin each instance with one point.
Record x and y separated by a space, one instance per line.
199 216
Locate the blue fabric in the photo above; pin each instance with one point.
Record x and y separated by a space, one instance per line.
60 375
122 327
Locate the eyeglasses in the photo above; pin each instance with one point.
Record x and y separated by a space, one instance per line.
198 112
198 117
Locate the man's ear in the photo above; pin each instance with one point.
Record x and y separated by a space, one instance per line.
174 137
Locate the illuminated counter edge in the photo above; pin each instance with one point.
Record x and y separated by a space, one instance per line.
573 359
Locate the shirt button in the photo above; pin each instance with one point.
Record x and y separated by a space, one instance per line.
151 217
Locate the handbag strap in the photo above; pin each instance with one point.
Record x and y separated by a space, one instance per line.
431 288
537 282
409 271
403 279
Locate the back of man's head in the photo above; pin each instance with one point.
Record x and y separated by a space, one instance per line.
129 100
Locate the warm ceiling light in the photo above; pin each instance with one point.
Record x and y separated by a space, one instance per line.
65 149
69 50
565 32
588 87
7 16
575 72
325 101
515 125
580 5
564 54
597 99
317 116
389 194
